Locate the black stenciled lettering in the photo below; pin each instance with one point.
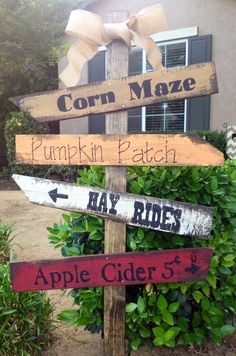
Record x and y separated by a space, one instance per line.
35 144
61 102
40 275
114 198
137 90
148 208
177 216
167 212
138 210
84 275
156 216
122 147
108 98
175 86
129 273
80 103
93 200
67 278
189 84
103 203
170 272
55 278
91 99
161 89
139 272
150 270
105 272
170 151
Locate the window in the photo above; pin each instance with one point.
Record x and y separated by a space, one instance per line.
169 116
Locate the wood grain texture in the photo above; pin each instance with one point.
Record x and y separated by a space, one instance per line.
116 150
121 94
143 211
166 266
115 232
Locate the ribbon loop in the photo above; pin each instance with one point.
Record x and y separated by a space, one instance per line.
93 33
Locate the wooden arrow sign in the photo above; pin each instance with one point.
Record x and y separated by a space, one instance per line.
151 213
111 270
115 150
120 94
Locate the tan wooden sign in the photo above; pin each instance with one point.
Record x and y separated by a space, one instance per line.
116 150
120 94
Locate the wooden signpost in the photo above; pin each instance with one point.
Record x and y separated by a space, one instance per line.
115 268
116 150
147 212
164 266
121 94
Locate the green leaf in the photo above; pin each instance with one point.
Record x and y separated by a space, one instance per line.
168 318
162 303
130 307
227 329
158 331
69 316
158 341
135 344
197 296
140 305
144 332
157 319
173 307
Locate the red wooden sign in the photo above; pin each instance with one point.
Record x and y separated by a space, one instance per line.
110 270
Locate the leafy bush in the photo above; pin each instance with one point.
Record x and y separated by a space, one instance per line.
174 313
5 242
25 319
215 138
21 123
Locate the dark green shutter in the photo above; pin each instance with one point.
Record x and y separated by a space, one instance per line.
198 109
96 73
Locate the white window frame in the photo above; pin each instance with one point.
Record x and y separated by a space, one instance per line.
144 61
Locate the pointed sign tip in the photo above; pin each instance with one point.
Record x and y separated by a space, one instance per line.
53 195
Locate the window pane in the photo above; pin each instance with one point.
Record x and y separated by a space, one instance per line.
175 107
135 61
174 122
175 55
155 123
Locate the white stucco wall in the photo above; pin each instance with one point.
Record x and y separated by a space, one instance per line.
216 17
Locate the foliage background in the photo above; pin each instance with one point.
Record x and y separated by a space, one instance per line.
166 314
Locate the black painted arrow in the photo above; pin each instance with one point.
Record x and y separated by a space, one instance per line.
54 195
193 269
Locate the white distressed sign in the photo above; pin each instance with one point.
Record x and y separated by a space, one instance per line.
231 142
147 212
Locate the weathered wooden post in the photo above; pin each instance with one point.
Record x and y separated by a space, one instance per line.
115 232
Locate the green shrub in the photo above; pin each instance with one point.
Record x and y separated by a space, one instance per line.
21 123
5 242
25 320
165 314
215 138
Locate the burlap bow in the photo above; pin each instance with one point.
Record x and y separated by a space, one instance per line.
93 33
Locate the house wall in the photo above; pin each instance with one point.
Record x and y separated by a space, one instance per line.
216 17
